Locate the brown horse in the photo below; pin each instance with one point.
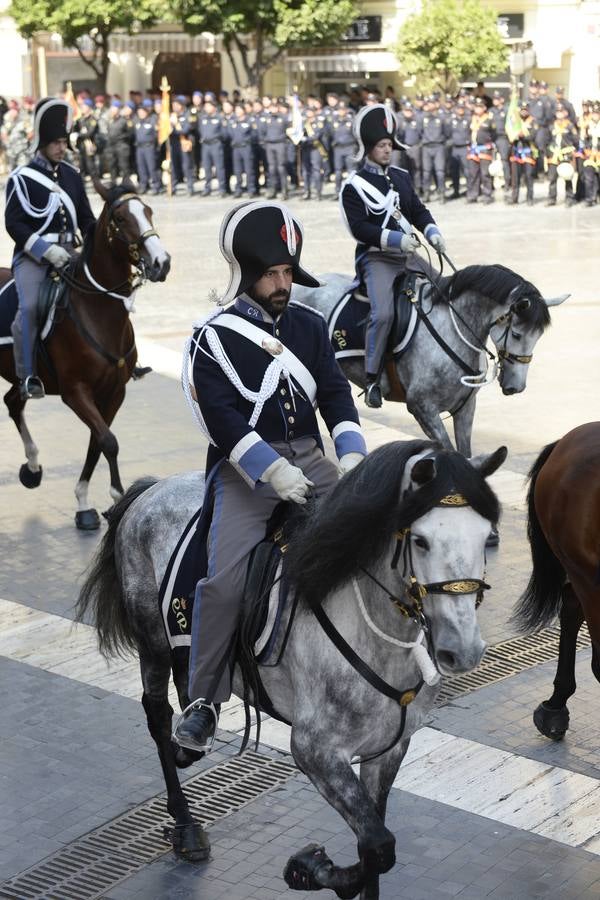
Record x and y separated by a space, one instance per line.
564 533
90 354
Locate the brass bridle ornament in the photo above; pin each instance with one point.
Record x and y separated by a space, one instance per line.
414 591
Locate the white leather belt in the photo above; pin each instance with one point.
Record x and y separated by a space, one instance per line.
65 237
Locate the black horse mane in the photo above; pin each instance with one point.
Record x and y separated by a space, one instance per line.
497 282
352 526
114 192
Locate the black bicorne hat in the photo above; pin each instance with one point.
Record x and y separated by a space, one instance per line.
52 120
373 124
256 235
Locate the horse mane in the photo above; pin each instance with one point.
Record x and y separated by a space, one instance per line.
114 192
352 526
497 282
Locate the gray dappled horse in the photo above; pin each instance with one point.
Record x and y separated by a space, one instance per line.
394 553
475 303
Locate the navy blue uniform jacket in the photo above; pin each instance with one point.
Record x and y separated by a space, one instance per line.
372 231
23 228
287 415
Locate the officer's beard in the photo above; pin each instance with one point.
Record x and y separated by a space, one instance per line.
274 303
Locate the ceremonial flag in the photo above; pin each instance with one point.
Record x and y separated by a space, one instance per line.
296 130
513 120
70 99
164 122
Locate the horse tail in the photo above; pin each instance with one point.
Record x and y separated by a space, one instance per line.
540 602
101 596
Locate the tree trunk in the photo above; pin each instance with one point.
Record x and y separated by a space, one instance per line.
258 64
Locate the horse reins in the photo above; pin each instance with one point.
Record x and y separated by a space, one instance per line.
504 355
134 248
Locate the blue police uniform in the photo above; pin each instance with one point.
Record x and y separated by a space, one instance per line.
211 131
272 131
182 150
36 217
313 155
410 134
460 139
434 133
146 153
241 136
379 259
341 138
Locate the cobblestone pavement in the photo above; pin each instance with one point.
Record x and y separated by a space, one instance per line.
487 807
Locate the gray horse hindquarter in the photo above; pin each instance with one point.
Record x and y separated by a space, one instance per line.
239 521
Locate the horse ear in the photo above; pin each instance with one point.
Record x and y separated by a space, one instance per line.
487 463
423 471
556 301
100 189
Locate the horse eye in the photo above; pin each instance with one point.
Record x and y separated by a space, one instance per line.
421 543
516 336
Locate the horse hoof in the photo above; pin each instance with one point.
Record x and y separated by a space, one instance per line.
493 538
87 519
305 870
28 478
189 842
184 757
552 723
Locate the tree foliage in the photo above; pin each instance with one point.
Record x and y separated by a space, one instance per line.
261 30
75 20
450 40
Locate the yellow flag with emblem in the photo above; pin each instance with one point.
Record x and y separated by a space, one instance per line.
164 121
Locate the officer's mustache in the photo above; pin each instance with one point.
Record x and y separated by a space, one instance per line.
279 295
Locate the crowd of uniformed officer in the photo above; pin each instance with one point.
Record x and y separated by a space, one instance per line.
276 145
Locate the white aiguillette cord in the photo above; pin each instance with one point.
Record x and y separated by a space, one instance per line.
419 651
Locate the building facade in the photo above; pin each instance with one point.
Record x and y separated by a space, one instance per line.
565 35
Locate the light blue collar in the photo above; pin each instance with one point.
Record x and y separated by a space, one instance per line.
373 168
40 160
252 310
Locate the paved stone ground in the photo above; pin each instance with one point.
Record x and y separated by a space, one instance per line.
74 755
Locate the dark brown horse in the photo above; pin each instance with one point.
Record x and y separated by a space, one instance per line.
90 354
564 533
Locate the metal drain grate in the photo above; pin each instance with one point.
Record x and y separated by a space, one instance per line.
90 866
509 658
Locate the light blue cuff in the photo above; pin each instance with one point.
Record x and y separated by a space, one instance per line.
430 230
258 458
350 442
394 239
38 248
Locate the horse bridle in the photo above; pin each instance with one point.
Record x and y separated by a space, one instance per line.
114 231
135 257
414 591
505 355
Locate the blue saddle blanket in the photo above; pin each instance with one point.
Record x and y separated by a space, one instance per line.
266 607
50 293
8 310
348 325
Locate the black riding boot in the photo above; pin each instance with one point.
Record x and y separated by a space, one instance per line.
196 728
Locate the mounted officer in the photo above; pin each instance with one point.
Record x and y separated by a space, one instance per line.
46 203
381 208
259 370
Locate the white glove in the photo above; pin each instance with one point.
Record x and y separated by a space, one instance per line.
409 243
438 243
57 256
348 461
287 480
